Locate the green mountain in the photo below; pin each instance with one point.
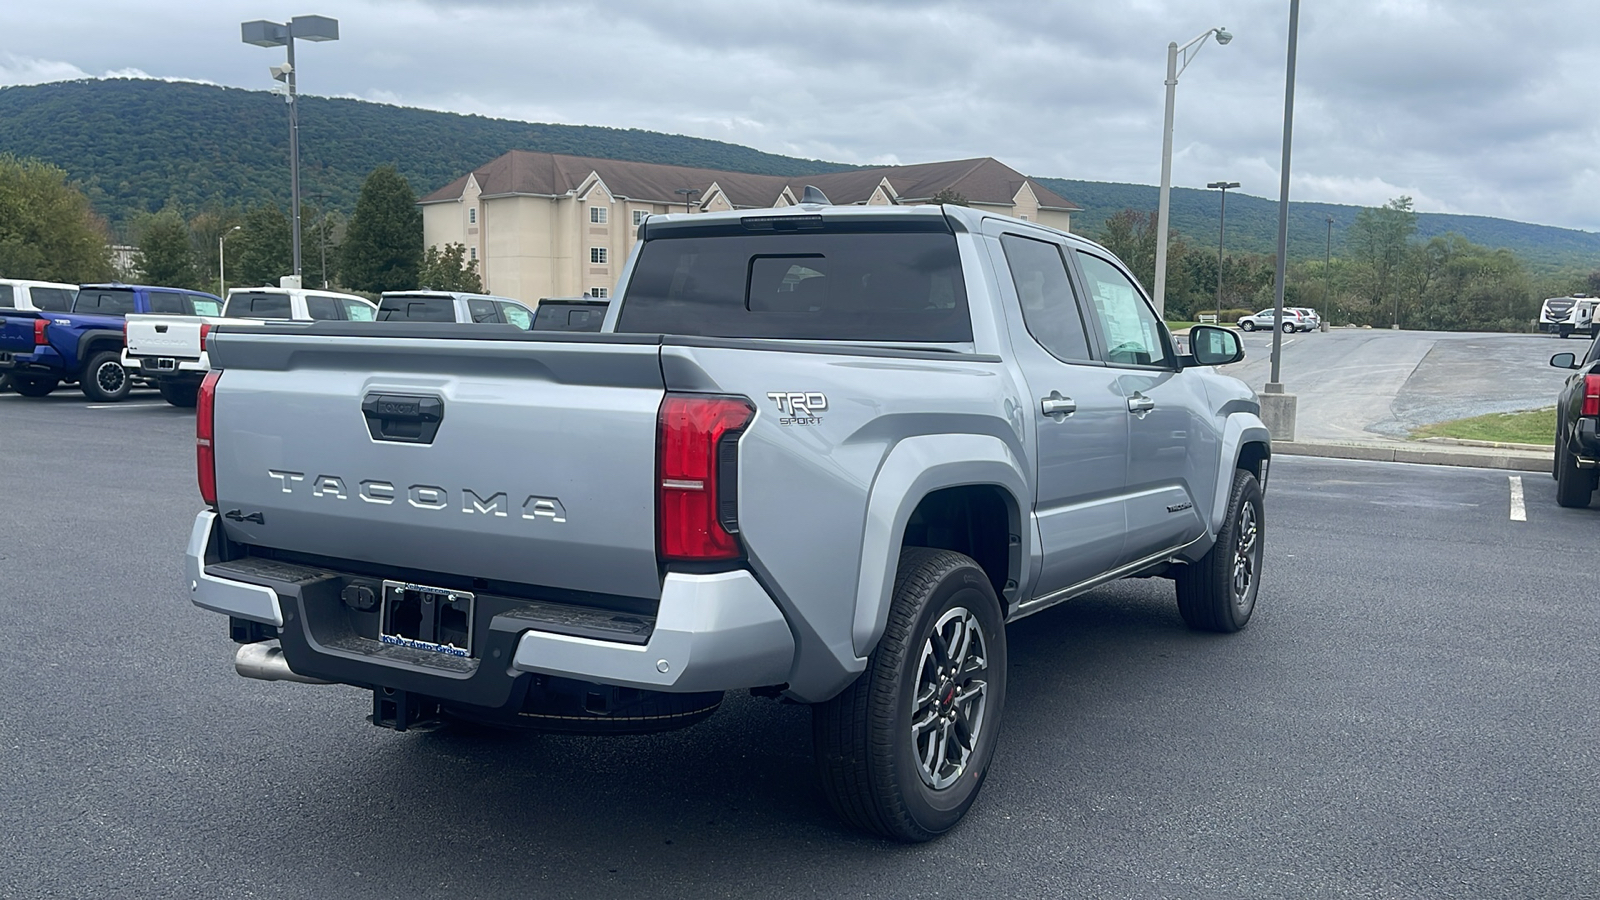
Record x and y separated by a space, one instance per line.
137 145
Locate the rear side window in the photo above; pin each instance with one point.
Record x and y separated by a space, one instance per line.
322 308
1049 307
8 297
483 311
825 285
105 302
417 309
53 299
171 303
252 305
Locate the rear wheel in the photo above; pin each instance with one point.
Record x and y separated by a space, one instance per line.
903 750
1288 328
179 393
1574 486
1218 593
32 386
104 379
1247 325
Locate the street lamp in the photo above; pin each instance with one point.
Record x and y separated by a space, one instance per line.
688 197
222 262
1188 51
271 34
1222 224
1327 272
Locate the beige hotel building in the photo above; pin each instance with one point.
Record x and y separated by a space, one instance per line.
544 225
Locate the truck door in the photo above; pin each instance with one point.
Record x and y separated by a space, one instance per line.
1173 447
1074 410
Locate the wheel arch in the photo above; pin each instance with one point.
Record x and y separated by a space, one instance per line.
941 487
95 341
1246 444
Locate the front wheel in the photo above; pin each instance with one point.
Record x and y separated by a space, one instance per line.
104 379
1218 593
1247 325
904 749
31 386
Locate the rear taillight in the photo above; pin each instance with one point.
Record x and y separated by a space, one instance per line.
697 455
39 325
205 330
205 454
124 332
1591 395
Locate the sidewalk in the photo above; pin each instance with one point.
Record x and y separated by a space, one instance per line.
1517 457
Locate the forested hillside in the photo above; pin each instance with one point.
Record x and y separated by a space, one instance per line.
138 145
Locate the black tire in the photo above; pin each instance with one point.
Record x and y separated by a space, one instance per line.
1218 593
5 383
33 386
1574 486
868 757
1247 325
181 393
104 379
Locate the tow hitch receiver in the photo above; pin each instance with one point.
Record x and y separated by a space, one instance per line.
404 711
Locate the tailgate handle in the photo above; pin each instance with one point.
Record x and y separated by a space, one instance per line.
161 329
407 418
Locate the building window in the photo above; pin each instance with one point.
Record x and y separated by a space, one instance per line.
472 215
599 293
597 215
597 255
639 215
473 251
1024 218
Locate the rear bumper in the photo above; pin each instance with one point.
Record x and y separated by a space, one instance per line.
43 361
710 633
166 366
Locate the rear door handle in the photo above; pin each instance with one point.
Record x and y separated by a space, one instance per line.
1139 404
1056 406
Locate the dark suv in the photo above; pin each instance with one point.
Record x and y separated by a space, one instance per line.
1577 414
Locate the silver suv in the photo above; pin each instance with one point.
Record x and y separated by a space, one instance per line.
1293 320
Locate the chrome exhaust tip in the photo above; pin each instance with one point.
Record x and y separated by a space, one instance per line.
264 661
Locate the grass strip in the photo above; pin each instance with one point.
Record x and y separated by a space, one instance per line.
1530 426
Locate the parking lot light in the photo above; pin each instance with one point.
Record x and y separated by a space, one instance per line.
1222 224
1188 52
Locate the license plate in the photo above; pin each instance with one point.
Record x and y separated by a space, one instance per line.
166 364
419 617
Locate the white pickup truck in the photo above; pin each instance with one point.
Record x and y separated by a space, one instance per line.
171 350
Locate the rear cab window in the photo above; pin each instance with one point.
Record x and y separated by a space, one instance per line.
258 305
416 308
841 281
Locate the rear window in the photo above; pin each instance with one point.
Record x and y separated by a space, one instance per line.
826 285
262 305
104 301
53 299
416 309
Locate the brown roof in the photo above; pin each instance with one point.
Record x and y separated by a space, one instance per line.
983 180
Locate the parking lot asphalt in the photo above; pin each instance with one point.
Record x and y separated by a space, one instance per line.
1378 385
1411 714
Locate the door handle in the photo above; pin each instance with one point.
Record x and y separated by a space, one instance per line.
1139 404
1056 406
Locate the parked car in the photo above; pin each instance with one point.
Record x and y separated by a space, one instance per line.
1293 320
43 350
828 454
1311 317
33 296
453 306
1577 461
170 351
571 314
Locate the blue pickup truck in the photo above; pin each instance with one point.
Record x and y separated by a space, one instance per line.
42 350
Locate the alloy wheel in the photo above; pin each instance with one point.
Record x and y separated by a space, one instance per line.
110 377
951 697
1246 556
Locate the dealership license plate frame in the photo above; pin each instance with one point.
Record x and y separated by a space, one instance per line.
430 615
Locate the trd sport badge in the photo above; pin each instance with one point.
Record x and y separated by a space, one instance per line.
796 408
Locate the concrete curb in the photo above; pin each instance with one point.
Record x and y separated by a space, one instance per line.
1481 458
1497 445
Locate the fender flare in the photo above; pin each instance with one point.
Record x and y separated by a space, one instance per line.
1240 429
914 468
88 339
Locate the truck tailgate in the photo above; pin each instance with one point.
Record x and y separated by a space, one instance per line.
161 335
539 468
16 331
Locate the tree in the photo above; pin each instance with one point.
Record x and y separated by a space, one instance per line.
948 195
1131 236
165 255
47 230
1379 241
263 248
449 270
382 248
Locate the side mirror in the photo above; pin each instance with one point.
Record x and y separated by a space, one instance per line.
1564 361
1213 346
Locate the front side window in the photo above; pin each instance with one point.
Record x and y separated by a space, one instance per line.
1049 308
356 311
53 299
597 215
517 315
1133 334
597 255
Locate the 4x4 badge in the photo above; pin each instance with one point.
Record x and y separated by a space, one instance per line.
799 408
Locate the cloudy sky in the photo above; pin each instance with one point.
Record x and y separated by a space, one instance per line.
1483 107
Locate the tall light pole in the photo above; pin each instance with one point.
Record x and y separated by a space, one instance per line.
1222 226
1188 52
222 262
1327 271
271 34
688 197
1275 386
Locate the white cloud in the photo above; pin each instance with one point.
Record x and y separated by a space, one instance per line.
16 69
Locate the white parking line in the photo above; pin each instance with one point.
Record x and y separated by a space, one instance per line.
120 405
1519 513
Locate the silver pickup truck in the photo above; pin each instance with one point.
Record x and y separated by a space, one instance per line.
821 453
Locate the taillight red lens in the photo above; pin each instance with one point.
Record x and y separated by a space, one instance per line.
205 330
1591 395
39 325
694 476
205 453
